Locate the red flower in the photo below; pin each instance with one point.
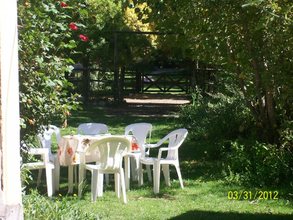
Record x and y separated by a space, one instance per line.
83 38
134 146
70 151
63 4
73 26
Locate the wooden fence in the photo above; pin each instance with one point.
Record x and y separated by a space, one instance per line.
95 82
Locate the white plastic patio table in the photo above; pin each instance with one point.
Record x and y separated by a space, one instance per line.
71 147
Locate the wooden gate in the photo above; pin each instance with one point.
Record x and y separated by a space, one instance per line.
95 82
166 80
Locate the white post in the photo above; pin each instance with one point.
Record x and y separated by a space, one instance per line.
10 183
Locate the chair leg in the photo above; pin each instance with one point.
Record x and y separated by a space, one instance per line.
94 184
136 171
148 167
140 175
100 184
156 171
49 179
56 174
117 184
179 175
123 185
81 178
39 177
134 168
75 176
126 170
70 178
107 178
166 172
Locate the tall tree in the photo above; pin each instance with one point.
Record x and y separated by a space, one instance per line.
252 39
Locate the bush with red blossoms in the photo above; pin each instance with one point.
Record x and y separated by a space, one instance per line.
83 38
48 38
54 35
63 4
73 26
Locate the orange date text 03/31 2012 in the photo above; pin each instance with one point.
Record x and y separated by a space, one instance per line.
252 195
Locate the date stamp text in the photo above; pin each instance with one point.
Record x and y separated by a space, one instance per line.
252 195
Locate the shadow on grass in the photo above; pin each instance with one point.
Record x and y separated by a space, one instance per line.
195 156
207 215
99 114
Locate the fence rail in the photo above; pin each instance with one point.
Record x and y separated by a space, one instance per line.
93 82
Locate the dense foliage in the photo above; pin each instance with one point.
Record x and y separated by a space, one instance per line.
45 42
53 36
252 40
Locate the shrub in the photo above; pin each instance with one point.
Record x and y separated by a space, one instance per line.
38 207
259 164
45 45
218 118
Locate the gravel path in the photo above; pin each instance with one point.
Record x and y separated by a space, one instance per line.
150 105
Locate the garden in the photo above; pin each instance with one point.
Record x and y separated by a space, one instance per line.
237 159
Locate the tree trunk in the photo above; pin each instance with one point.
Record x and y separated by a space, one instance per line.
263 90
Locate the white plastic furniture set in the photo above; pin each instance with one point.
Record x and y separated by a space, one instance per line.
107 153
48 161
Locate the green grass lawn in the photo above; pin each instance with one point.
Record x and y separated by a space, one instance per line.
206 194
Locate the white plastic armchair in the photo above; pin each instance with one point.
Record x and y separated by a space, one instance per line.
109 152
45 139
140 131
44 163
175 140
92 128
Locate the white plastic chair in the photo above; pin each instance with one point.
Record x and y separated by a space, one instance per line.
175 140
140 131
92 128
109 152
45 139
43 163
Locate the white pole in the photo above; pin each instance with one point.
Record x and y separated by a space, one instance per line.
10 183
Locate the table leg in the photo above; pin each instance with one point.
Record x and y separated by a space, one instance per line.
127 171
70 178
81 177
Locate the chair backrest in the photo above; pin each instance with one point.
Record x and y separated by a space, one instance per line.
140 131
56 131
175 140
109 151
92 128
45 137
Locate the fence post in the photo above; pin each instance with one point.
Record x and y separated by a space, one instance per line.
86 83
138 82
116 84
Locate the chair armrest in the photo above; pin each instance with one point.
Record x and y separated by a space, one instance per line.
36 151
165 149
44 152
151 145
159 143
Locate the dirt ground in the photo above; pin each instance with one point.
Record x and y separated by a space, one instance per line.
150 105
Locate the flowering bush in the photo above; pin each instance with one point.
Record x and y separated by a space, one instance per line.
83 38
48 39
54 35
73 26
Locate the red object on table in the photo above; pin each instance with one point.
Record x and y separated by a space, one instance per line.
134 145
